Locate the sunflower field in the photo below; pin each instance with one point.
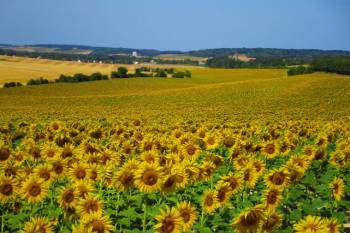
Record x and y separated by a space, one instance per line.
136 176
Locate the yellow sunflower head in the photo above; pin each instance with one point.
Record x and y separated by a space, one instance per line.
210 201
337 188
169 221
38 224
188 214
148 177
249 220
312 224
34 190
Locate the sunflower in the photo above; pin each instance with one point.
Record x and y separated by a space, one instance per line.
337 187
169 221
176 179
259 166
68 198
94 173
295 173
50 151
190 151
38 224
270 149
123 179
241 162
83 187
206 170
272 221
249 220
272 197
223 193
8 189
211 141
149 156
333 225
148 177
303 162
192 170
249 176
44 172
78 171
277 178
58 167
34 190
188 214
96 222
312 224
216 159
89 205
235 182
210 201
229 141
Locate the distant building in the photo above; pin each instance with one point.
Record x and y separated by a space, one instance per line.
134 54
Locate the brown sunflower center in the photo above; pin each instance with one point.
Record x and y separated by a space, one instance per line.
186 216
126 179
168 225
211 141
278 178
34 190
98 226
93 175
150 177
58 168
221 195
272 197
91 206
148 146
229 142
80 173
191 150
45 175
209 201
169 182
6 189
68 196
251 219
4 154
270 148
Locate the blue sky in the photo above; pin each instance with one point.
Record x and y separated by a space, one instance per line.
178 24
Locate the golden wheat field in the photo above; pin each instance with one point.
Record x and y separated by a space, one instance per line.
239 150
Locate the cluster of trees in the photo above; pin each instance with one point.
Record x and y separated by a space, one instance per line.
339 65
13 84
123 72
228 62
39 81
299 70
79 77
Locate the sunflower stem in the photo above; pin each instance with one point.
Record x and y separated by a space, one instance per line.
2 223
144 218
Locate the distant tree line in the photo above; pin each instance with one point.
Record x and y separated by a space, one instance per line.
339 65
122 72
228 62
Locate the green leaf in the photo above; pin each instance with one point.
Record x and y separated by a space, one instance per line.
125 222
295 215
129 213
